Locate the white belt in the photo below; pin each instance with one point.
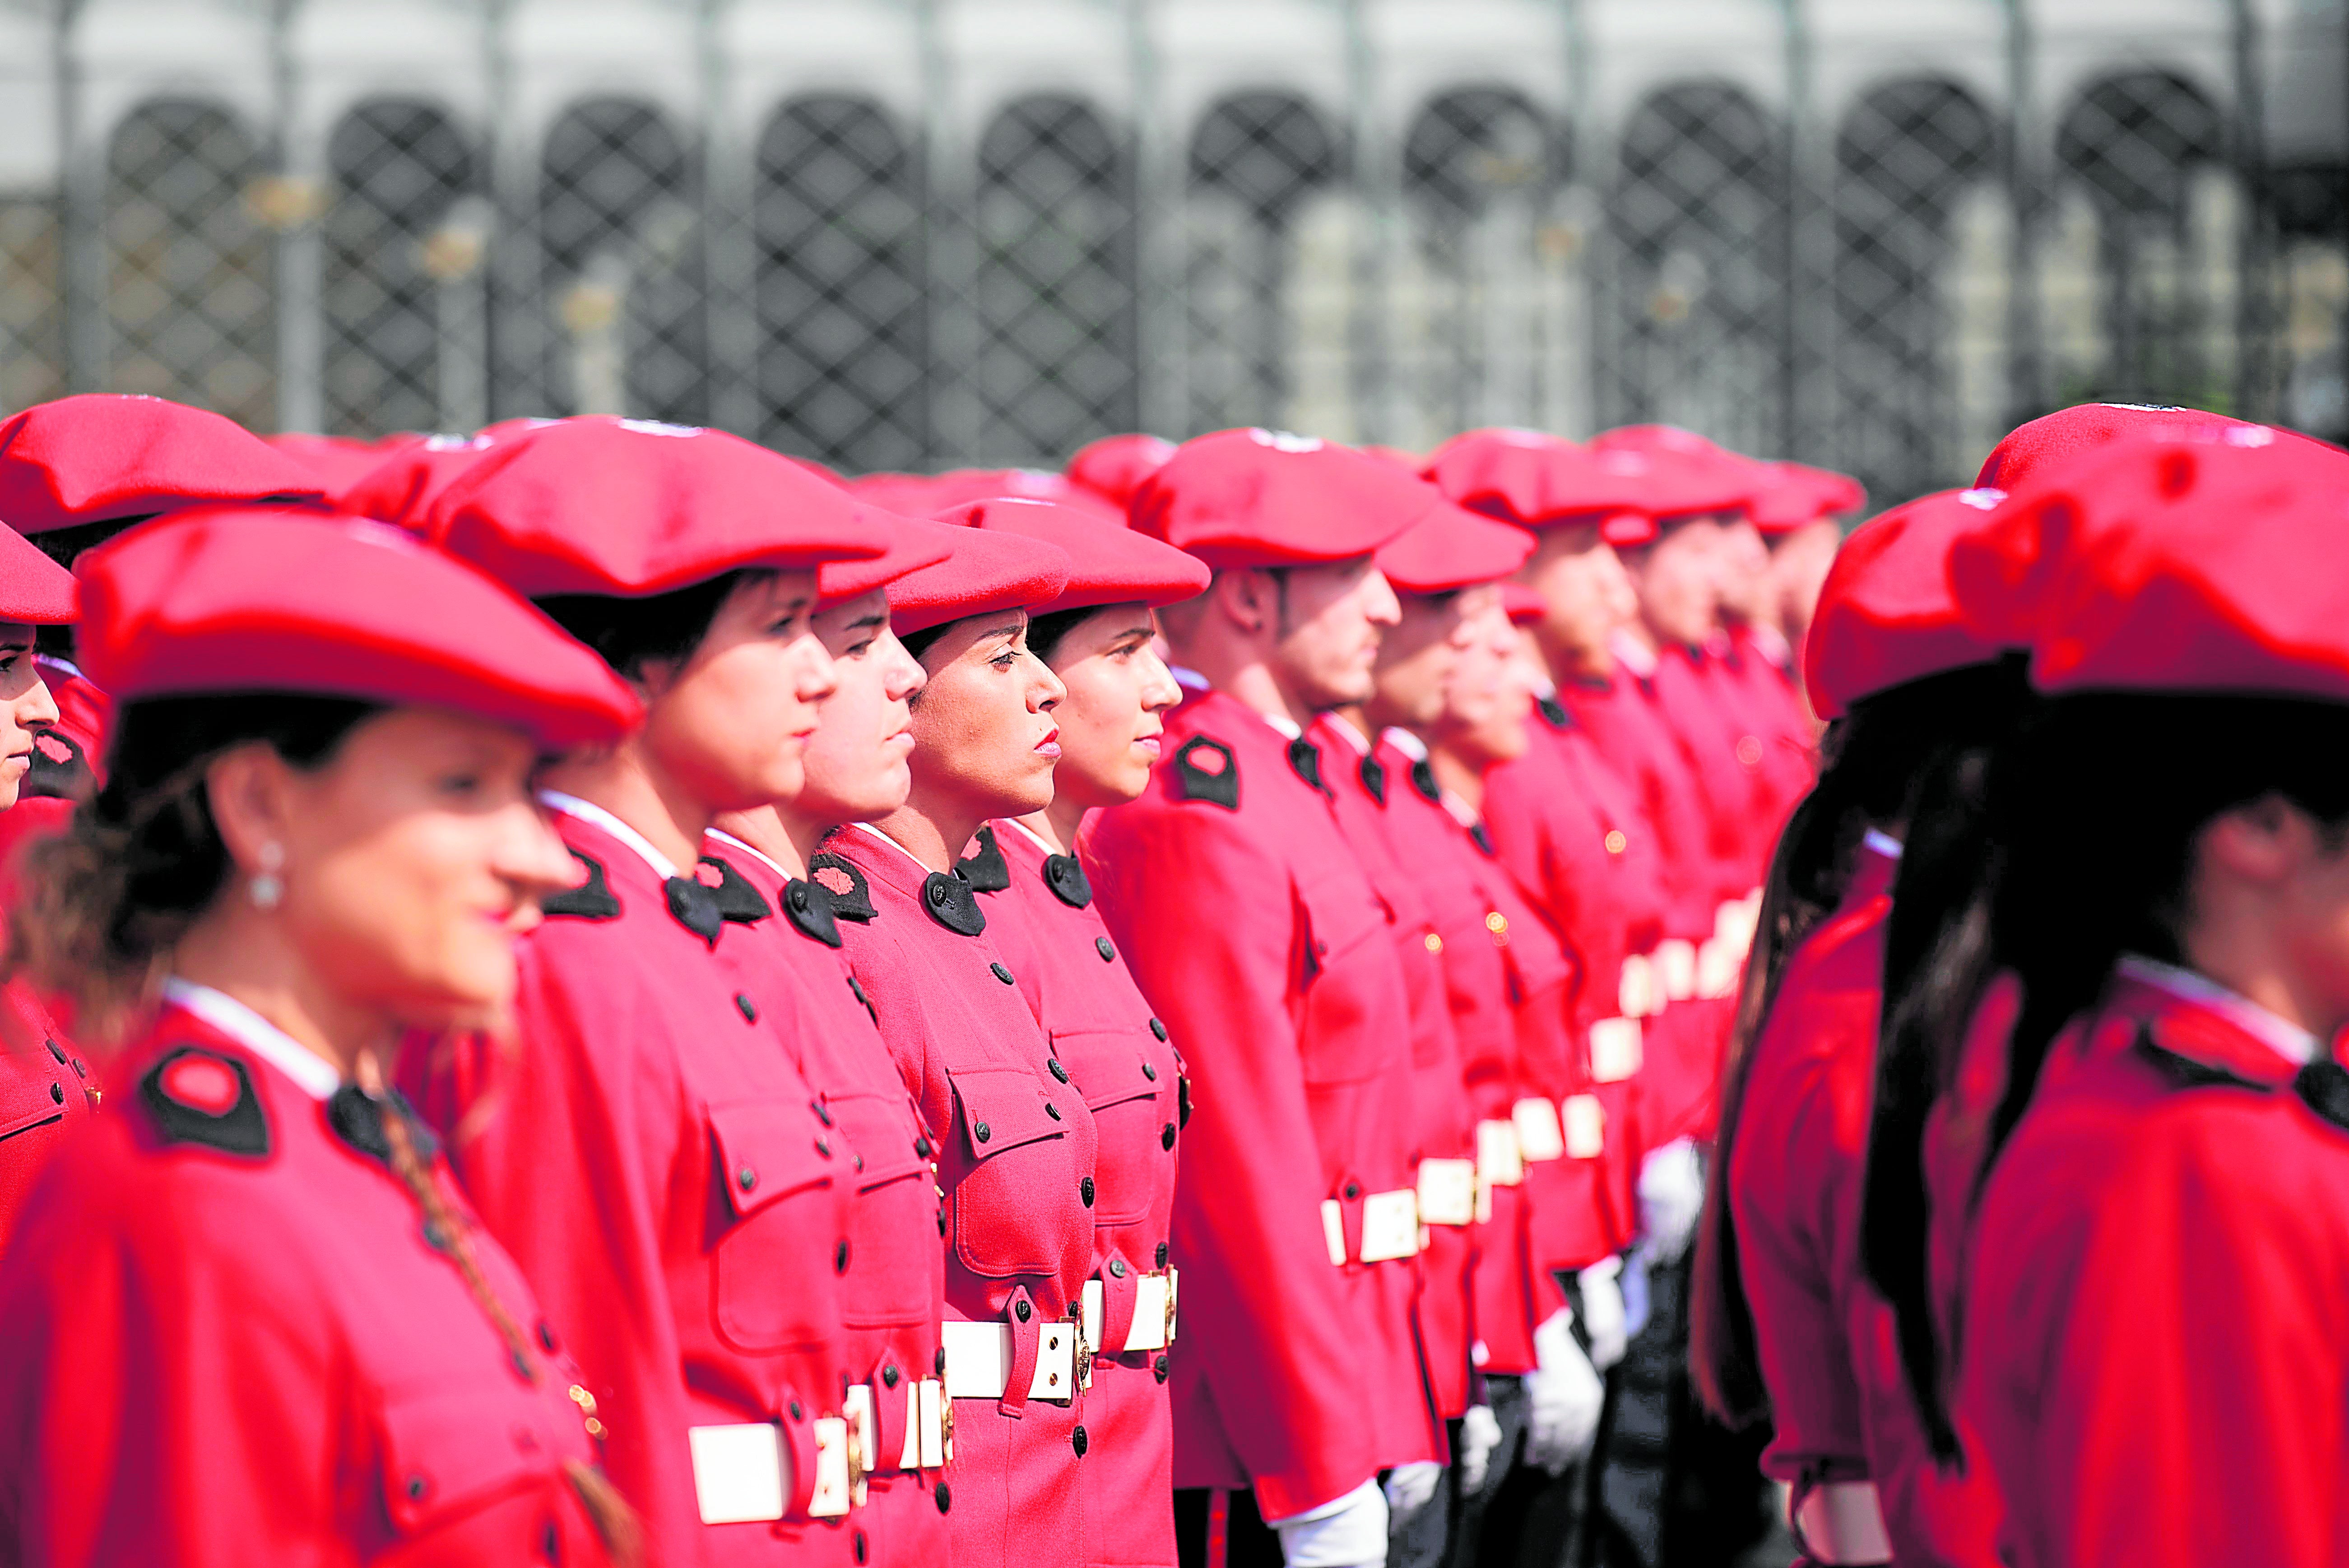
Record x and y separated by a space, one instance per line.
1447 1192
929 1424
740 1475
980 1356
1615 1050
1539 1137
1153 1314
1637 994
1390 1227
1676 968
1841 1522
1733 922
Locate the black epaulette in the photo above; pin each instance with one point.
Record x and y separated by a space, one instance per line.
738 901
59 771
1374 777
1423 779
2186 1072
202 1097
1065 875
2324 1087
952 903
1553 713
1205 770
591 900
851 894
987 870
1305 761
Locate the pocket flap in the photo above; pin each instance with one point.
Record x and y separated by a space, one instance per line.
446 1452
1003 1108
766 1150
1340 914
1109 1067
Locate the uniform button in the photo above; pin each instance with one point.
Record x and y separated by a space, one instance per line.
1058 1070
1354 1191
939 1363
822 1111
796 1413
1150 1072
858 1537
80 1070
1616 843
1162 1254
746 1177
747 1008
1023 1310
417 1487
981 1132
546 1337
946 1498
56 1050
857 1162
840 1258
1102 946
922 1144
1117 1268
938 897
1001 973
797 893
1085 1191
1157 1028
1052 1110
57 1093
889 1376
1166 1136
823 1145
1160 1368
1079 1441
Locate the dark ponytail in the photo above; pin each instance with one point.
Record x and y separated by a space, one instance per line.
1872 759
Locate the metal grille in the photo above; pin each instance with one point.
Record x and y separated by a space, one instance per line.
191 272
1883 281
840 287
400 277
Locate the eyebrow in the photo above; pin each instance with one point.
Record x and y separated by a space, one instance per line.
878 618
1007 629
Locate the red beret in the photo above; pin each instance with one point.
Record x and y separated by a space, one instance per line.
1679 472
2053 438
628 508
1263 497
2185 565
34 589
1107 564
1885 613
985 569
403 485
927 495
912 545
1539 481
1523 604
1789 495
1114 467
101 456
240 598
340 462
1452 548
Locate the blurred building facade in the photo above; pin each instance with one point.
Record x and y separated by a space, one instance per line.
895 233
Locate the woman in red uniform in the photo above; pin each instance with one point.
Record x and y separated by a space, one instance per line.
2156 1329
652 1149
1782 1323
246 1318
1095 635
1014 1139
894 1285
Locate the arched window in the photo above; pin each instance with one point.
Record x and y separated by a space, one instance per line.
840 289
393 263
1700 222
1254 158
190 274
1055 294
620 234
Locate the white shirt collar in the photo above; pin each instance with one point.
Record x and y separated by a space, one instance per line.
1031 835
1883 843
588 811
1405 741
1282 723
1344 728
311 1072
2286 1038
1633 654
730 841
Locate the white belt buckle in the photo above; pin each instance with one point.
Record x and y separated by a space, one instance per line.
838 1477
1615 1050
1153 1314
1389 1226
1635 987
1447 1192
979 1361
864 1437
929 1439
1717 961
1676 967
1333 1230
1586 1126
1539 1137
1499 1161
1841 1521
738 1472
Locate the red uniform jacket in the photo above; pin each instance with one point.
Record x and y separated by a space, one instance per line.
1839 1406
1444 1123
231 1342
1015 1164
2157 1322
1255 934
894 1289
653 1156
1573 835
1758 668
1120 1059
46 1094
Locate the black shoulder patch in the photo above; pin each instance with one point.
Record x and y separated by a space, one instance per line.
2185 1072
1305 761
1423 779
986 871
1065 875
1204 771
1553 713
1484 840
201 1097
851 894
357 1119
809 908
1374 777
591 900
59 771
2324 1087
950 902
738 901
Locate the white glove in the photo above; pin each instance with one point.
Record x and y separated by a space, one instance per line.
1350 1532
1480 1434
1409 1487
1604 1319
1563 1396
1672 1193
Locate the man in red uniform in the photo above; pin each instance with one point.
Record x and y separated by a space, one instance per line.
1257 936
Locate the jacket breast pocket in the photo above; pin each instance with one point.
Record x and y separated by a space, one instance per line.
1015 1197
1128 1077
893 1273
449 1454
774 1222
1349 971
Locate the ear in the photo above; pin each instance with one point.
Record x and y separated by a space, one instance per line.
2264 841
250 791
1244 596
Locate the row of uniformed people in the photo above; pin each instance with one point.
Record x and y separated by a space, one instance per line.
651 1180
2026 1234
